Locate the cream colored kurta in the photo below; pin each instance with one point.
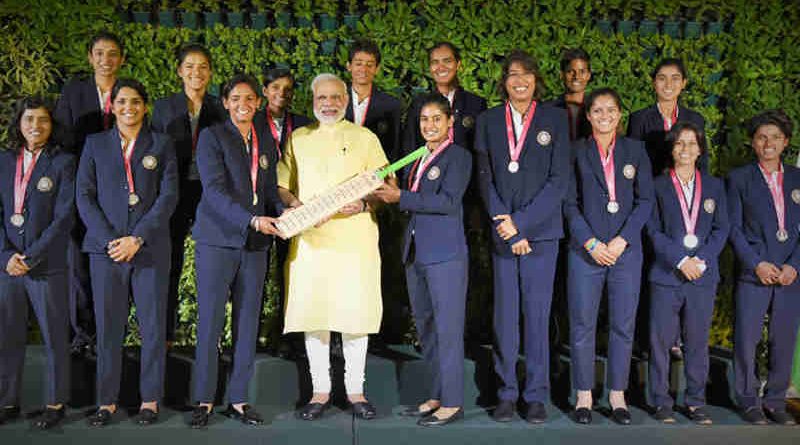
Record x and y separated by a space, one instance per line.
333 272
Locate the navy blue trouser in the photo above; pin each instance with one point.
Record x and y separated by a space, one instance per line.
667 305
49 299
112 286
224 272
585 282
527 282
438 294
753 301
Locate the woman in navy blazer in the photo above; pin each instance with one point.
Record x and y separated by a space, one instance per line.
688 229
435 257
522 150
127 189
233 235
609 202
182 116
764 202
37 207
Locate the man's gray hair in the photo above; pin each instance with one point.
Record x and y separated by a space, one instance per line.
324 77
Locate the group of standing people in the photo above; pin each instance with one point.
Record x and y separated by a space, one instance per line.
224 171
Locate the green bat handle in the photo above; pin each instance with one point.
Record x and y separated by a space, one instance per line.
407 159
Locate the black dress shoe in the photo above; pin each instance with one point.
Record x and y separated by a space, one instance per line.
413 411
582 416
432 420
9 413
504 412
621 415
664 414
364 410
200 415
146 417
536 413
312 411
100 418
754 416
248 416
699 415
781 417
50 418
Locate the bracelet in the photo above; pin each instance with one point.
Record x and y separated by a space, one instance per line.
590 245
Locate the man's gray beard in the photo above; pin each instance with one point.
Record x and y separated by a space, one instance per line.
329 120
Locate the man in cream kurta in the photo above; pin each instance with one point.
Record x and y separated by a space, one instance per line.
333 269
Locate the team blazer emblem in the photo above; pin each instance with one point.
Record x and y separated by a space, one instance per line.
543 138
796 196
383 127
709 205
45 184
263 162
149 162
434 173
467 121
629 171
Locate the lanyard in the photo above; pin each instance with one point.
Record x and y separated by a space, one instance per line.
21 180
420 168
515 145
689 219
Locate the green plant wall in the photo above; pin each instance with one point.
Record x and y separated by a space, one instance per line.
745 60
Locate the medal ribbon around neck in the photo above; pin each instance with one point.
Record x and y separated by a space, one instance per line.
608 167
689 220
420 169
126 158
21 180
776 190
254 161
515 145
276 136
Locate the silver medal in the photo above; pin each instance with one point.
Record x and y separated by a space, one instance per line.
612 207
513 166
133 199
17 220
782 235
690 241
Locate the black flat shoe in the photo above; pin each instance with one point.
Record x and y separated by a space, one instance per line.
100 418
622 416
754 416
413 411
699 415
781 417
248 416
536 413
504 412
582 416
364 410
50 418
664 414
146 417
200 415
9 413
432 420
312 411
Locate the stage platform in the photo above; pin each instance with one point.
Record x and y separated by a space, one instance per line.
395 377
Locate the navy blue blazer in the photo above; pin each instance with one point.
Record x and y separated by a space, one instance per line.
436 226
226 207
260 121
534 195
102 192
666 231
79 113
753 222
383 119
466 108
585 207
584 128
49 211
171 116
647 125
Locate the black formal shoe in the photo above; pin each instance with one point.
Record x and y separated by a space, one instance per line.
664 414
9 413
100 418
146 417
432 420
582 416
248 416
363 410
536 413
312 411
621 415
413 411
200 415
50 418
504 411
699 415
754 416
781 417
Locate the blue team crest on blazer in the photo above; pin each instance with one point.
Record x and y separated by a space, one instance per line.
629 171
544 138
383 127
796 196
149 162
263 162
709 205
45 184
467 121
434 173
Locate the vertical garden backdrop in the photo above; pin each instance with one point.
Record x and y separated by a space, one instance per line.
742 57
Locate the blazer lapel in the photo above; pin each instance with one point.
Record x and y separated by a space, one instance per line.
39 170
593 155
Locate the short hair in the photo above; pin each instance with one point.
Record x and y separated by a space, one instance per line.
529 64
776 117
674 134
106 35
238 78
448 45
325 77
16 138
129 83
193 48
571 54
271 74
604 91
438 100
670 61
364 46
